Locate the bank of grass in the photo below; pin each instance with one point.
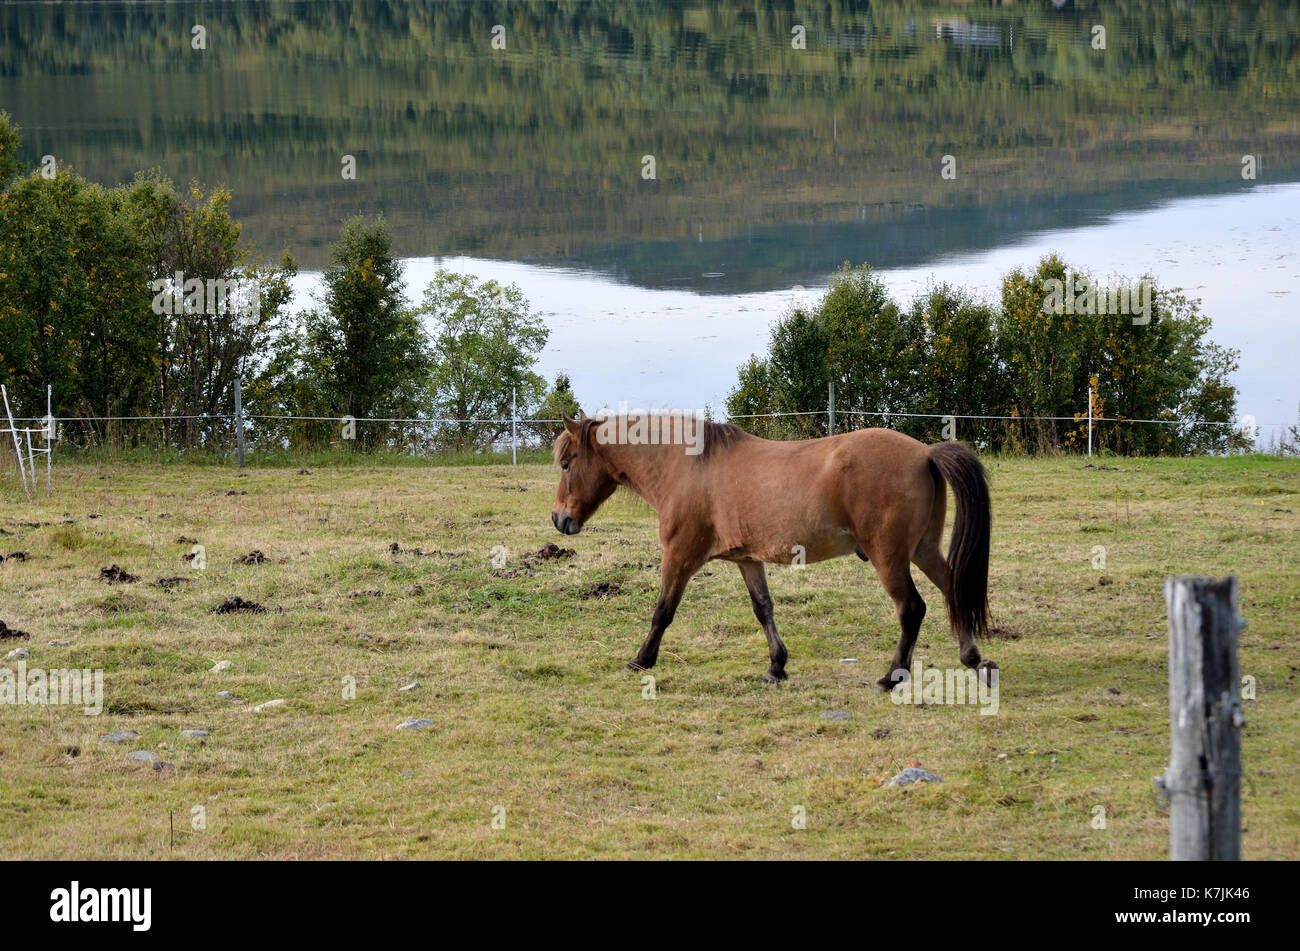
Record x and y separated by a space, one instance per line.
532 712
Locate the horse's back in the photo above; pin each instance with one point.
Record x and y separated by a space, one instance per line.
819 494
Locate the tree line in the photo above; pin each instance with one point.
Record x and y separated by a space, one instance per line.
1028 358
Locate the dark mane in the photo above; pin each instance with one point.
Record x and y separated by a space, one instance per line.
717 436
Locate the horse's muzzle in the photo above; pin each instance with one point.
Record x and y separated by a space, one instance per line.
566 523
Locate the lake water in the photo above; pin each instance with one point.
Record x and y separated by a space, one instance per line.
783 144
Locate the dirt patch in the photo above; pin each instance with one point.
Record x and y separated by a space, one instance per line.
169 583
549 552
8 633
233 492
14 556
1003 634
186 540
237 605
601 590
369 593
254 557
115 575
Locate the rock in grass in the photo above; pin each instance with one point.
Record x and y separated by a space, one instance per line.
162 766
913 775
219 666
269 705
142 756
837 715
18 653
848 660
121 736
227 695
418 724
413 685
195 734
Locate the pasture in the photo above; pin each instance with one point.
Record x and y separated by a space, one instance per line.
519 660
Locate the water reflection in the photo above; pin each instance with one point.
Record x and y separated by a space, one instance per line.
773 164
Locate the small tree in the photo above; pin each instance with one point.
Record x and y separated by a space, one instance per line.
10 166
74 301
365 354
214 309
957 367
485 342
871 346
560 403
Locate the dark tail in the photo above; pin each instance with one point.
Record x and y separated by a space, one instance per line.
968 552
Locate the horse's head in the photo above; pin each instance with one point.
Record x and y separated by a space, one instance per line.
585 481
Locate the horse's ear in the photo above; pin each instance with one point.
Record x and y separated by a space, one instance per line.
581 414
572 425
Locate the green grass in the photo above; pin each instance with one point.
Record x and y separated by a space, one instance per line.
533 712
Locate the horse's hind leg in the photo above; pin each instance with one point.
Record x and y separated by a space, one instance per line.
897 579
755 576
929 559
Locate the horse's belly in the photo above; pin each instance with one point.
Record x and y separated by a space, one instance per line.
796 546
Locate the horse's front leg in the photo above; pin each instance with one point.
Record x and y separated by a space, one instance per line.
674 574
755 575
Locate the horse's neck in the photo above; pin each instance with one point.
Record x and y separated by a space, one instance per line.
645 469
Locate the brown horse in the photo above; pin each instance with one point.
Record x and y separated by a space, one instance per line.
733 496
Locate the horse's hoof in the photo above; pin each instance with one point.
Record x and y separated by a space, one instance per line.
988 672
887 683
775 676
635 666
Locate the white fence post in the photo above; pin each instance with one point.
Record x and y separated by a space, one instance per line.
49 436
18 447
514 429
830 410
239 421
1089 419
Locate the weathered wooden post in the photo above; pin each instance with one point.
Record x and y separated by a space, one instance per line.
1203 782
239 421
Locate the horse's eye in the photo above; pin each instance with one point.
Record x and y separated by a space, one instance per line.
564 465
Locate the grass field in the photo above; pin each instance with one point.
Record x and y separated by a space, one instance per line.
536 723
